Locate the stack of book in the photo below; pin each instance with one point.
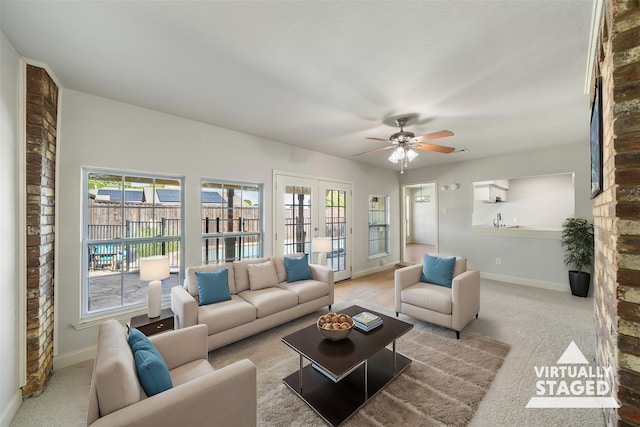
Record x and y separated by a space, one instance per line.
366 321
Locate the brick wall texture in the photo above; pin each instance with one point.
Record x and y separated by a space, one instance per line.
41 113
616 210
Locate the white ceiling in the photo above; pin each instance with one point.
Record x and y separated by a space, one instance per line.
504 76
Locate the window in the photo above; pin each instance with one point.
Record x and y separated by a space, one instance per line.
231 221
128 217
378 225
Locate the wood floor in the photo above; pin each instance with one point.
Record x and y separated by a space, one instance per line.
376 288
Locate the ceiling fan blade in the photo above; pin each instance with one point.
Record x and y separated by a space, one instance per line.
436 148
379 139
374 150
432 135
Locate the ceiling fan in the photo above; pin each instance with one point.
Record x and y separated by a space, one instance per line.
405 143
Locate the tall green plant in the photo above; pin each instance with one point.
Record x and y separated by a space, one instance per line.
577 239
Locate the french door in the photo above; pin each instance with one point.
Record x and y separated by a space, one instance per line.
306 208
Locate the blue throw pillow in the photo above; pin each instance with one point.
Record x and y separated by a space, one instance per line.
213 286
138 340
153 373
297 268
438 271
152 370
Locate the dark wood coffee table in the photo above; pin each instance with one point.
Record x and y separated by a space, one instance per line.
344 375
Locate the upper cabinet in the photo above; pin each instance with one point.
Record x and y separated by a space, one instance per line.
491 191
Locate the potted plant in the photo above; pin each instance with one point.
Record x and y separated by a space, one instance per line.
577 239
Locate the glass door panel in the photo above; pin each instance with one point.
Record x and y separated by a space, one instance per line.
335 223
308 208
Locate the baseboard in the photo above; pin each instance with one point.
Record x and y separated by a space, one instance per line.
12 409
74 357
554 286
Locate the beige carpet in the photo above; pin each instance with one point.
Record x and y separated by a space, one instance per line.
443 386
537 323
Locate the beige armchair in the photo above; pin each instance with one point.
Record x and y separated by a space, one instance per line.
200 396
451 307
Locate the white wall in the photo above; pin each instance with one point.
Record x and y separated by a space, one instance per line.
535 261
10 393
99 132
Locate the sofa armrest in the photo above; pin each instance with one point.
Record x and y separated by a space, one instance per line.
226 397
323 274
184 306
466 286
182 346
403 278
465 297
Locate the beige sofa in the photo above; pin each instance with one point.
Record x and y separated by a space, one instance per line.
250 311
451 307
199 394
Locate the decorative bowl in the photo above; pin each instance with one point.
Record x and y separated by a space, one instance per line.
341 326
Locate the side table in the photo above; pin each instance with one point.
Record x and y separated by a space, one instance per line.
150 326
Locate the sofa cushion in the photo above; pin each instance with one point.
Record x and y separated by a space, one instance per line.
116 382
190 371
152 370
297 268
437 270
213 286
226 315
242 274
307 290
262 275
192 282
270 300
428 296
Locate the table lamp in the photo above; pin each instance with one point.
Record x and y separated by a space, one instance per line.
154 268
321 245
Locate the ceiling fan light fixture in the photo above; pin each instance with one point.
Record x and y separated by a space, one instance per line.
411 154
397 155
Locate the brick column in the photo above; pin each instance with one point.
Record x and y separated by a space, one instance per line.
41 112
617 210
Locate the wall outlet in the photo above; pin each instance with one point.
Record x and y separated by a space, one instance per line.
444 211
498 261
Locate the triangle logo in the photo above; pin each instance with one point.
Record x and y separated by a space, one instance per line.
572 355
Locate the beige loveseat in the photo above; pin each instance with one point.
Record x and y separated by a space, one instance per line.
451 307
250 311
200 396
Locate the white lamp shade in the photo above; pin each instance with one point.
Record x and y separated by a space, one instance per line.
321 244
154 268
397 155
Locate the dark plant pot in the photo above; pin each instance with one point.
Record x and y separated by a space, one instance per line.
579 282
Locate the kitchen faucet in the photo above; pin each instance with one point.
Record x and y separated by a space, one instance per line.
496 222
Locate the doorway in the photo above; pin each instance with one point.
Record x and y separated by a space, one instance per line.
420 221
308 207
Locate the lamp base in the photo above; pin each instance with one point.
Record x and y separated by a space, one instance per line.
154 299
322 258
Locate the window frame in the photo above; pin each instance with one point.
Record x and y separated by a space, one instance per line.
225 235
87 243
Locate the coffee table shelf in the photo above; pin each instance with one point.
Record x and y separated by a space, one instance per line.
355 369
